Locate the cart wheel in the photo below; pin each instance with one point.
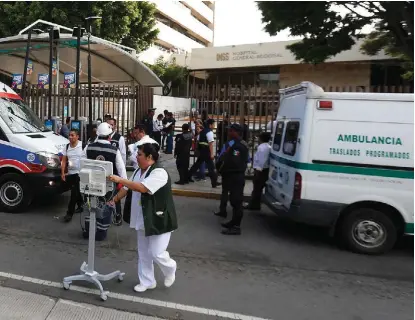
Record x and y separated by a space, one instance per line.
66 285
120 278
104 297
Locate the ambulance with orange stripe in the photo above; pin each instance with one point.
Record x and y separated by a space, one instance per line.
29 154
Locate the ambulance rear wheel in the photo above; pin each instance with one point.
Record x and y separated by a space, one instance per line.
368 231
15 195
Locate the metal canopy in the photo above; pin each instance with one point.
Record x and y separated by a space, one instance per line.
110 63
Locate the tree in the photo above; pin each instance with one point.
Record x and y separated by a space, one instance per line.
170 73
326 32
129 23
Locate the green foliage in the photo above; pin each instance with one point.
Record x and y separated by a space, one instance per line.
130 23
326 32
169 71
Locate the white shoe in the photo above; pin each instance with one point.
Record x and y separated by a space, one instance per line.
168 281
140 288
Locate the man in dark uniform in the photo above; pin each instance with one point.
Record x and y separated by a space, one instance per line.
232 165
148 121
182 153
103 150
206 154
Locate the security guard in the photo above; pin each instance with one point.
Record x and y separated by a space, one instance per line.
103 150
206 154
232 165
148 121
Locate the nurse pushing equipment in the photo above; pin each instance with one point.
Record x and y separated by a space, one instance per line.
151 213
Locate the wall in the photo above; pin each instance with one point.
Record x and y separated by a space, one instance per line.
170 103
264 54
326 74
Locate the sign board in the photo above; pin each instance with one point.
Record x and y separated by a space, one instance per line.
17 81
43 81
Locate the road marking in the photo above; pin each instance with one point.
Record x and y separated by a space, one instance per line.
126 297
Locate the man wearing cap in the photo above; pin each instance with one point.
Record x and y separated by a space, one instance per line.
103 150
206 154
117 140
148 121
232 164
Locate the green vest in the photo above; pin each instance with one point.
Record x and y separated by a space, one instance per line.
161 201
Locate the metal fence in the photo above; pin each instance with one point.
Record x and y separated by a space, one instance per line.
256 106
127 104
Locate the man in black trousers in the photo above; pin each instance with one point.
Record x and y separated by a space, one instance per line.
206 154
182 153
232 165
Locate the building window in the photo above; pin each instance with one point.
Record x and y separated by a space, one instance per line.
202 22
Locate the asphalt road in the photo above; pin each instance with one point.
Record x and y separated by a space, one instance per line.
275 270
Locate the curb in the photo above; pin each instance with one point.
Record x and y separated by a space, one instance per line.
201 194
196 194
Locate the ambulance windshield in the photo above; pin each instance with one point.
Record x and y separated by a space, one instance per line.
19 117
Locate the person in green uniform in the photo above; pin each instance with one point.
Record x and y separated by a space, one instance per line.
153 215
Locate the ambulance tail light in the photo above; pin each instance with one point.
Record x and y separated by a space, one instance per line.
297 186
325 105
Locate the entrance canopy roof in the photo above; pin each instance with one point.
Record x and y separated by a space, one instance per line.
111 63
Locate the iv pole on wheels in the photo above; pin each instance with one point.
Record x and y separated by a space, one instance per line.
87 269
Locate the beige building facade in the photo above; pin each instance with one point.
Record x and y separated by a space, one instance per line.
253 62
331 76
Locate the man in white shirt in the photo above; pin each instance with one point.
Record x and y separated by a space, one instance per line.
103 150
261 171
117 140
70 166
158 128
142 137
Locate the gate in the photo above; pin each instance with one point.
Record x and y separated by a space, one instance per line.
251 106
127 104
255 106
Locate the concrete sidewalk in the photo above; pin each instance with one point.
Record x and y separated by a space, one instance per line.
17 304
198 189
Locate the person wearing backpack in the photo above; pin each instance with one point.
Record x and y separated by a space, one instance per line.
70 166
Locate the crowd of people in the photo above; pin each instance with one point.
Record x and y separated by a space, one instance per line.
149 206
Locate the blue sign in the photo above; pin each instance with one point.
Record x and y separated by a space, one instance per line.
65 111
76 125
49 124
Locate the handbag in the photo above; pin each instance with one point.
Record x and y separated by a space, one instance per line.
127 203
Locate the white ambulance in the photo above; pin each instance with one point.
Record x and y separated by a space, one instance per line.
29 154
345 161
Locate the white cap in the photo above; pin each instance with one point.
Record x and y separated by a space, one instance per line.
144 140
104 130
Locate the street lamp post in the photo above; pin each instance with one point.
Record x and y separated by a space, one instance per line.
89 21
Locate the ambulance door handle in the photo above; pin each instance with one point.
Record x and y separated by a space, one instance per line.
282 195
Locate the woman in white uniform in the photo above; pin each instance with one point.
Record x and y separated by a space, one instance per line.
153 216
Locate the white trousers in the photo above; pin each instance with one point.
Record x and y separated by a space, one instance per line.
153 249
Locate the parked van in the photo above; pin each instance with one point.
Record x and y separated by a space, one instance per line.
345 161
29 154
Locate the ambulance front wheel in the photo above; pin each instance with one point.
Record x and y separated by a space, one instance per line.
15 195
368 231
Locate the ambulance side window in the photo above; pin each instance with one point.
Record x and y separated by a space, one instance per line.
291 137
278 136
